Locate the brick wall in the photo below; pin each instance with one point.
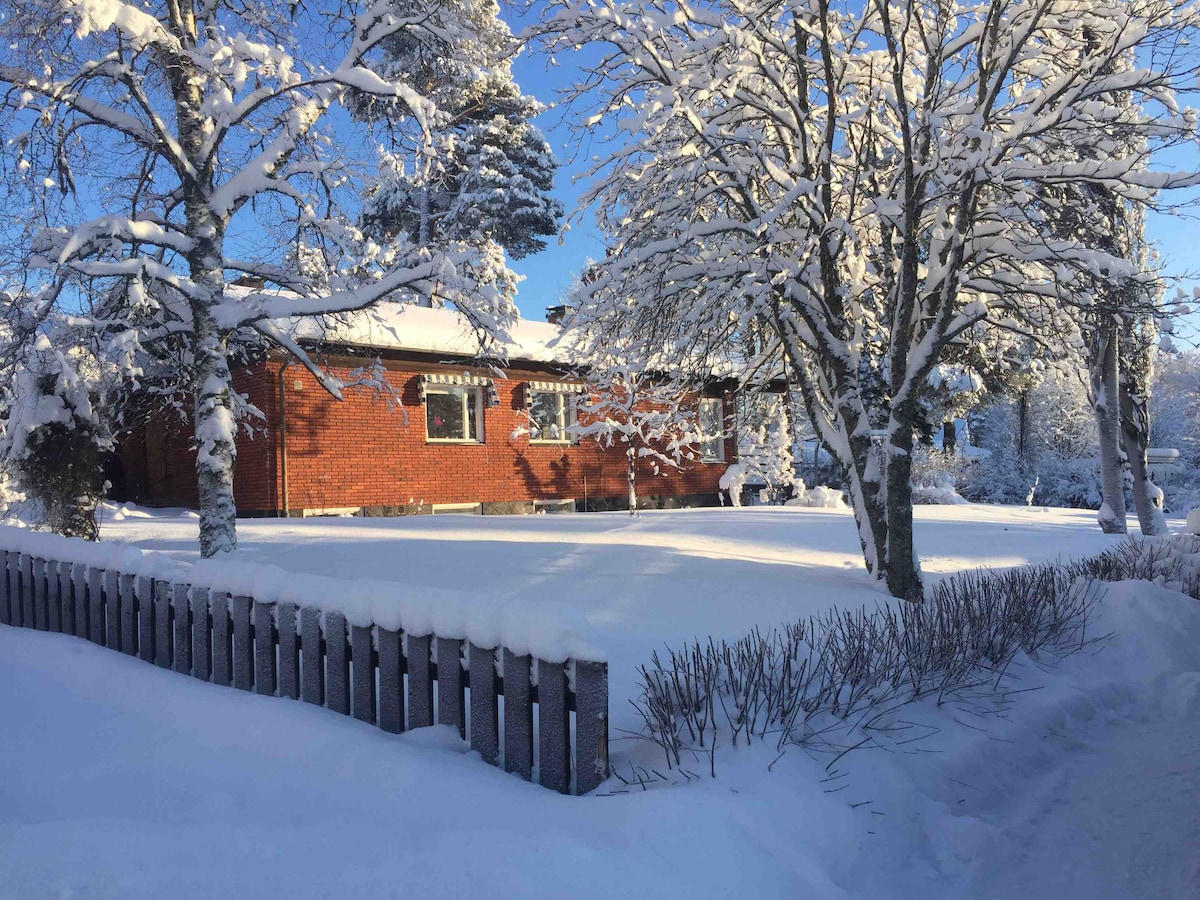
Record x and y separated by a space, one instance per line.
368 452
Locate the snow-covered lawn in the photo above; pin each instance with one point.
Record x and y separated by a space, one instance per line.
641 583
118 779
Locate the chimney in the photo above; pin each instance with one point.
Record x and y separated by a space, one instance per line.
556 314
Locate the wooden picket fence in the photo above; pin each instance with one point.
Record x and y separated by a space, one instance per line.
386 678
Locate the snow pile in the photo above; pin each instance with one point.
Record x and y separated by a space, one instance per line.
940 490
732 480
819 497
550 632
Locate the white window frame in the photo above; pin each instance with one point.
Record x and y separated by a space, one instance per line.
705 456
567 415
470 393
469 509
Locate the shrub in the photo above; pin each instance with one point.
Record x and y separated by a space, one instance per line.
825 682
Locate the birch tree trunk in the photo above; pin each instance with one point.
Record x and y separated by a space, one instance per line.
1135 423
215 425
631 458
1106 401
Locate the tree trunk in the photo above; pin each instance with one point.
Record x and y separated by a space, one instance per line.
903 571
949 437
1022 424
215 425
1135 424
631 457
1106 400
216 452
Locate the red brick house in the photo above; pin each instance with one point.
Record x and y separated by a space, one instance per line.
455 436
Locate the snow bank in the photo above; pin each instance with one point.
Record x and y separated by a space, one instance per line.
550 632
819 497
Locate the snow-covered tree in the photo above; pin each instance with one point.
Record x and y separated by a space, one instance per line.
488 176
654 416
55 433
160 150
864 177
765 441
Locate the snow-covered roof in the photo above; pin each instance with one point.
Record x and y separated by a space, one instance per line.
419 329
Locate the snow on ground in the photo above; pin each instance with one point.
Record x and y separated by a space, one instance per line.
119 779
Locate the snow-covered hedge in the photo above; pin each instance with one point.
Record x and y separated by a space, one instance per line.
545 631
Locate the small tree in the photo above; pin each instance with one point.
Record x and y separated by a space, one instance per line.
54 438
765 443
654 416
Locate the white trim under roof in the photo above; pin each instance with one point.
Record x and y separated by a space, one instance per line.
466 379
550 387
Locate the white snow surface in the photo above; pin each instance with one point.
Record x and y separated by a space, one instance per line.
125 780
400 326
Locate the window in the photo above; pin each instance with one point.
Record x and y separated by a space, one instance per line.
712 429
447 509
453 413
551 413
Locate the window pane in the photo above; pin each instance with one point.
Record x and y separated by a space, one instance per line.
444 414
546 417
471 399
711 427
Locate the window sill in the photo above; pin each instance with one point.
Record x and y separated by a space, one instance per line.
459 441
547 442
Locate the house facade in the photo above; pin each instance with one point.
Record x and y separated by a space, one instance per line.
442 433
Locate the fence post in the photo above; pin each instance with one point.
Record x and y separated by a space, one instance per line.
222 640
5 615
391 682
27 593
591 725
289 651
112 610
312 662
66 597
420 681
337 664
451 691
41 611
53 596
145 612
95 590
162 624
79 577
201 634
182 611
264 649
243 645
485 722
518 715
13 564
362 658
53 603
129 614
554 727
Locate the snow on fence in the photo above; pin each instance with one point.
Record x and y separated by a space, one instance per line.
326 652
